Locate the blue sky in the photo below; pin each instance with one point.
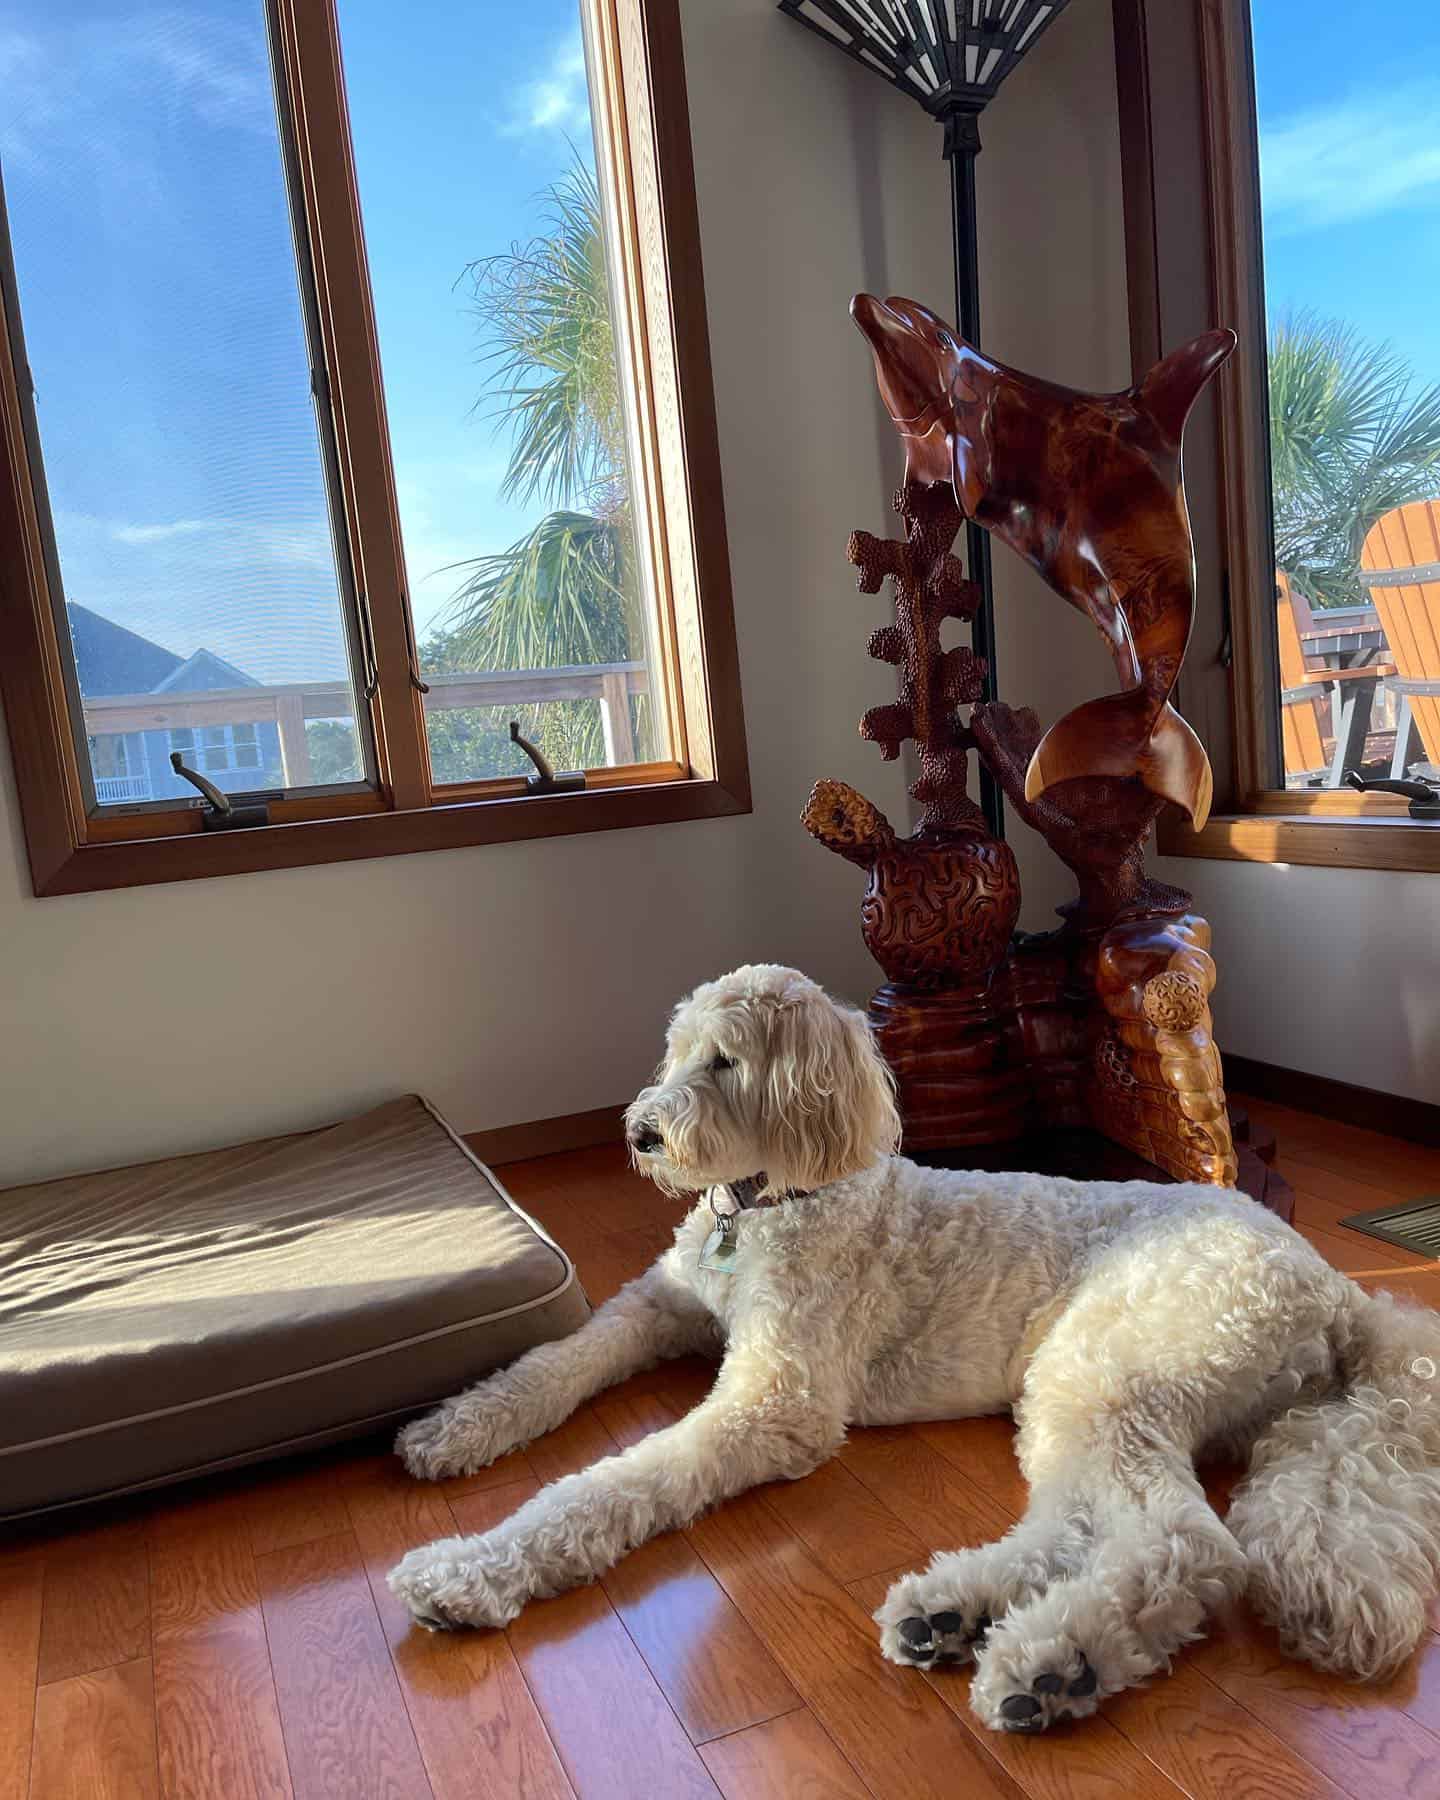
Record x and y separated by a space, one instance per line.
156 275
156 280
1349 102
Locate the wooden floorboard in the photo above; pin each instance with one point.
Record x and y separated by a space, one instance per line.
237 1640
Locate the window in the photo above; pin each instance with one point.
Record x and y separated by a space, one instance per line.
1274 183
387 439
218 749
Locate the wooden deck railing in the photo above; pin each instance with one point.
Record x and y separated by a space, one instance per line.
289 705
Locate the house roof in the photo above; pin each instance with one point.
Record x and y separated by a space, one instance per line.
110 659
204 670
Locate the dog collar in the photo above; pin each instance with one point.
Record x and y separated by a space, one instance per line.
746 1195
727 1203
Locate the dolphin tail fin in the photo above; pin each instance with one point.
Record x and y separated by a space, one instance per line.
1121 735
1175 383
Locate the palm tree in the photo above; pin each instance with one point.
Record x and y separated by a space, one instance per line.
565 593
1350 438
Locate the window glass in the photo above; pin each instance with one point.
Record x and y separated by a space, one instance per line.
507 412
163 326
1350 196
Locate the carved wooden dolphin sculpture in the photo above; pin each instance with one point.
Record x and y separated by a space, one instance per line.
1086 487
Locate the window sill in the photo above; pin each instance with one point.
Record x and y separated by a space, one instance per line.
1315 837
452 825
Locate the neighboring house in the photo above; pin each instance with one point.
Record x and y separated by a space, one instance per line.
135 765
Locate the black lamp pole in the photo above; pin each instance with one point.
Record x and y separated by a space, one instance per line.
962 146
950 56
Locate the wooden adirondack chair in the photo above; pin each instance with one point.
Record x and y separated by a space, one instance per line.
1303 705
1320 746
1400 564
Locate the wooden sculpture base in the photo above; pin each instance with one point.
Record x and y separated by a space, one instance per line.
1107 1030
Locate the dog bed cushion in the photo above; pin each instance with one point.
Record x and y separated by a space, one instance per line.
185 1315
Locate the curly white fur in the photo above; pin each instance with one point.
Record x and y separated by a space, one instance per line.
1128 1325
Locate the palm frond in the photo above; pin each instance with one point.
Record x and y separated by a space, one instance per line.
558 597
553 383
1349 440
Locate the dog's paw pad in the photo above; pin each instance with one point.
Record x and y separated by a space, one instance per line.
1042 1707
917 1639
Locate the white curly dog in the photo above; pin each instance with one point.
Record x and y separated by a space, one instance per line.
1131 1326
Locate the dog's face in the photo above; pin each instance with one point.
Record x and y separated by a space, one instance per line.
763 1072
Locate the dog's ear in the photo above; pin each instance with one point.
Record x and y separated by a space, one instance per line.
829 1102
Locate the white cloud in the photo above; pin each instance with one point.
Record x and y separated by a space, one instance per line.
150 534
304 543
560 99
72 88
1368 154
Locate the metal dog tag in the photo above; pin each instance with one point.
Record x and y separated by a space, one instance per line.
717 1253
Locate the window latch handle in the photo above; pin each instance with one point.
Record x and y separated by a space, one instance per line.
545 780
220 812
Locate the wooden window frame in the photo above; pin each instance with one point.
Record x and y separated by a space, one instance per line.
647 178
1186 97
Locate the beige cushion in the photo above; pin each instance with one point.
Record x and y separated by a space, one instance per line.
206 1310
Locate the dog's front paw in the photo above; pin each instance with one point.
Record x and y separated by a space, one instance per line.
1027 1686
451 1583
921 1626
447 1442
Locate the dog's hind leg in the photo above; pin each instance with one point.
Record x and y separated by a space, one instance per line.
650 1320
1160 1563
942 1613
1183 1330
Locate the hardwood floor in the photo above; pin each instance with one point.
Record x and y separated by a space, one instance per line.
238 1642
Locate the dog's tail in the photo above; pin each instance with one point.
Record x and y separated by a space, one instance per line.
1340 1518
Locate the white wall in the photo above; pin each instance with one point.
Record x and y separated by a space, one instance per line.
533 979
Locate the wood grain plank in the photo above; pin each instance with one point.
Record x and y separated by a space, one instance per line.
892 1729
22 1591
789 1758
847 1530
478 1729
347 1732
944 1509
590 1189
1368 1156
631 1417
606 1716
1360 1736
1210 1745
97 1601
95 1737
580 1441
294 1504
710 1665
217 1721
983 1450
1346 1250
1090 1761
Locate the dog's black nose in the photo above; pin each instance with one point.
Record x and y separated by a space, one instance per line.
645 1139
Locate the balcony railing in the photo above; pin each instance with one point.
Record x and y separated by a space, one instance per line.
112 789
289 706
